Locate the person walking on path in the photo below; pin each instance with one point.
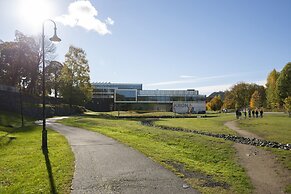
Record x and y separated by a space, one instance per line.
257 113
253 113
237 114
250 113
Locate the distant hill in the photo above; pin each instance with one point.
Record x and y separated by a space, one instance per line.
220 93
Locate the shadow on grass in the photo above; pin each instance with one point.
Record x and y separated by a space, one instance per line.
49 171
5 140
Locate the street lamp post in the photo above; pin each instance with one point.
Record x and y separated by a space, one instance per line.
55 38
21 101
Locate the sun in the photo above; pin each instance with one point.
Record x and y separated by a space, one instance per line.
34 12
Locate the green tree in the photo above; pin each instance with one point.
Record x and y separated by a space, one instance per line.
11 68
271 91
21 58
75 79
287 105
215 103
241 92
284 83
53 74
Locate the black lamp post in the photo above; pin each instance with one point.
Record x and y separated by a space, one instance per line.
55 38
21 101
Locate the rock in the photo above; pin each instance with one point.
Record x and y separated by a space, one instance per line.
185 186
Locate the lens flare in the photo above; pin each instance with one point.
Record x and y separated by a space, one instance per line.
34 12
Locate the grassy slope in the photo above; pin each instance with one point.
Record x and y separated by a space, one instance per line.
197 153
274 127
23 167
213 124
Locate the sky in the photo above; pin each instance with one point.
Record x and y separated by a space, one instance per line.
208 45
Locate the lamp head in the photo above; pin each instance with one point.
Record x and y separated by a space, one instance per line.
55 38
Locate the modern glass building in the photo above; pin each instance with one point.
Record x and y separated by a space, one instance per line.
119 96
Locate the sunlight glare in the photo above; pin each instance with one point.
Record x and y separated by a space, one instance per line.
34 12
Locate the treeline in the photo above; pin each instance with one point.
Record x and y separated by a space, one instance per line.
276 95
20 66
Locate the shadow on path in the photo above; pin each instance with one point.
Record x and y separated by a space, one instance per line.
49 171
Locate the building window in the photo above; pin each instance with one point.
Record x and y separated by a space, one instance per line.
123 95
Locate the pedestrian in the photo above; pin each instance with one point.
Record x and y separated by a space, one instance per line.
253 113
250 113
245 113
237 114
257 113
261 113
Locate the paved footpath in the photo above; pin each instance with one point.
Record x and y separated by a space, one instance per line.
102 165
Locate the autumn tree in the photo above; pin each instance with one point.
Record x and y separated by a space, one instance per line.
229 101
256 100
287 105
284 83
215 103
240 94
271 91
75 78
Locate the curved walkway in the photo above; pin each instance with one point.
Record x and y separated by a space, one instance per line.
102 165
264 171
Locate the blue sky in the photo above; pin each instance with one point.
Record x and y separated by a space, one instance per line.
207 45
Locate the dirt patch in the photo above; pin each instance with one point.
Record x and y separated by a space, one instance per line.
266 174
207 180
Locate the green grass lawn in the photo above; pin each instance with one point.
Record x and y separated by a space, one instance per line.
273 127
190 156
23 166
211 124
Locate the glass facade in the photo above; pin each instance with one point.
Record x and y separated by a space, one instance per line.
106 85
119 96
123 95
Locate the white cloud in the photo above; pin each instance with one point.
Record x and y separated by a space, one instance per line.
187 76
109 21
82 13
192 80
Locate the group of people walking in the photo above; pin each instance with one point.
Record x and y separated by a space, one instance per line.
255 113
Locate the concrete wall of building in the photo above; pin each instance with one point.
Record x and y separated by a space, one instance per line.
189 107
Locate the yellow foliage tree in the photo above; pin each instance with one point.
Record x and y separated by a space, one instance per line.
255 101
214 104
